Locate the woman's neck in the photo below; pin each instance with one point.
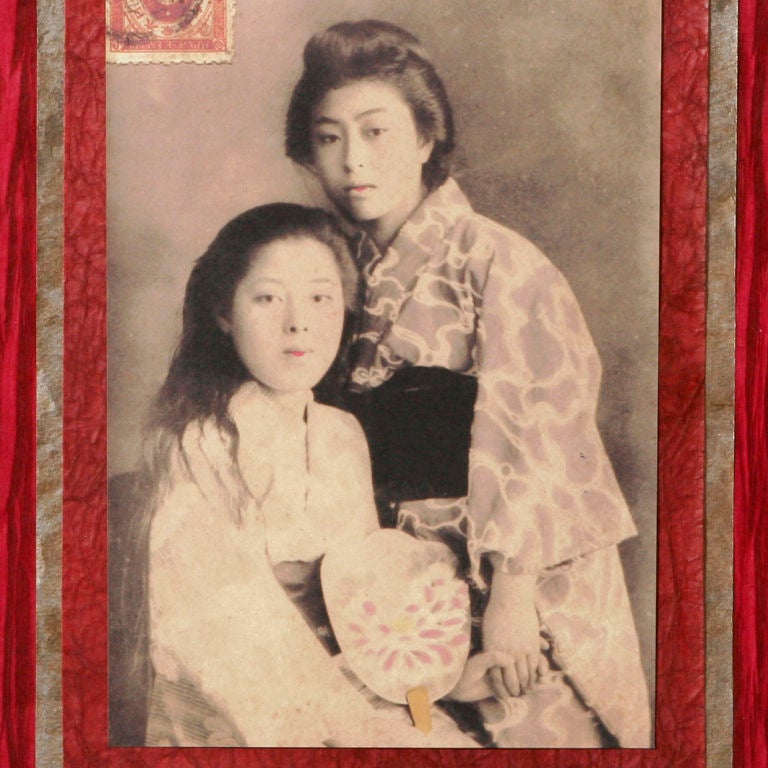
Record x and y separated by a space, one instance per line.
293 403
384 229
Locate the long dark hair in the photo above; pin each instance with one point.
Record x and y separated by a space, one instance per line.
374 50
205 370
204 374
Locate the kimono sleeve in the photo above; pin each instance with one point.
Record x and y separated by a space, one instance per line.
220 621
541 486
346 464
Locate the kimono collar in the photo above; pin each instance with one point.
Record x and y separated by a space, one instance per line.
390 279
250 394
420 236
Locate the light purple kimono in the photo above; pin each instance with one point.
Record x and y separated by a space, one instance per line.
458 291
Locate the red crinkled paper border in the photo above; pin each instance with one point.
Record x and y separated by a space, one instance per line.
751 448
18 198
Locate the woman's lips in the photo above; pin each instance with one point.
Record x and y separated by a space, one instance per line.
296 352
359 189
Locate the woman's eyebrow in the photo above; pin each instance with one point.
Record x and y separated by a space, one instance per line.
325 120
279 281
264 279
322 120
368 112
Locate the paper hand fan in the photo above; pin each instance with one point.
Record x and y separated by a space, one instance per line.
400 615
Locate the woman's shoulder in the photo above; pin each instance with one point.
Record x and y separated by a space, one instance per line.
496 252
331 419
203 455
485 241
203 438
201 481
339 431
505 238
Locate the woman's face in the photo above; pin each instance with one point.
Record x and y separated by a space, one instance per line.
287 314
368 154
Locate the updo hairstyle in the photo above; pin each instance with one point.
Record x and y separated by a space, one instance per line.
372 50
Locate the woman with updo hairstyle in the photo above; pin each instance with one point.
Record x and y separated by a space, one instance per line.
373 50
476 381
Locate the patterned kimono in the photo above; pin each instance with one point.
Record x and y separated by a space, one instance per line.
235 662
460 292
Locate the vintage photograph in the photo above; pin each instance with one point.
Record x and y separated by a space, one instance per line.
382 373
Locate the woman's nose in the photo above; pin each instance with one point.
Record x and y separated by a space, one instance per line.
296 320
354 154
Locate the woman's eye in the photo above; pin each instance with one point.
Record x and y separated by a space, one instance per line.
265 298
321 298
374 132
327 138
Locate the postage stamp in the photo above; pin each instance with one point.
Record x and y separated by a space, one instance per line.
145 31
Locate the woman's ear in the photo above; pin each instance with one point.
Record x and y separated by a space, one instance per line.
223 322
425 150
309 166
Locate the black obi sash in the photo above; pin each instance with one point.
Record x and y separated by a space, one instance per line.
418 426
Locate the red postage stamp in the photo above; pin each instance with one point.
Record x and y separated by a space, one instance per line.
169 31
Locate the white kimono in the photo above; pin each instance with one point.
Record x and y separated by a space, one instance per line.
235 662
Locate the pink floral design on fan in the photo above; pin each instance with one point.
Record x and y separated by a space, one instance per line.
426 632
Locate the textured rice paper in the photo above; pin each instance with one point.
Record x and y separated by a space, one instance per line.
558 139
557 111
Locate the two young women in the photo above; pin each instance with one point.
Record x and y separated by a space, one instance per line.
476 380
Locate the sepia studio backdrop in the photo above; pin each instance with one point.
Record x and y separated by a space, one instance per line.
557 116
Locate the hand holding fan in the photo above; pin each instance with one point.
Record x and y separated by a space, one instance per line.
401 617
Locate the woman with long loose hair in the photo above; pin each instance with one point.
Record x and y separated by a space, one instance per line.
252 482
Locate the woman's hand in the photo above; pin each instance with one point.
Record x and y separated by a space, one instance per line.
511 630
475 683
